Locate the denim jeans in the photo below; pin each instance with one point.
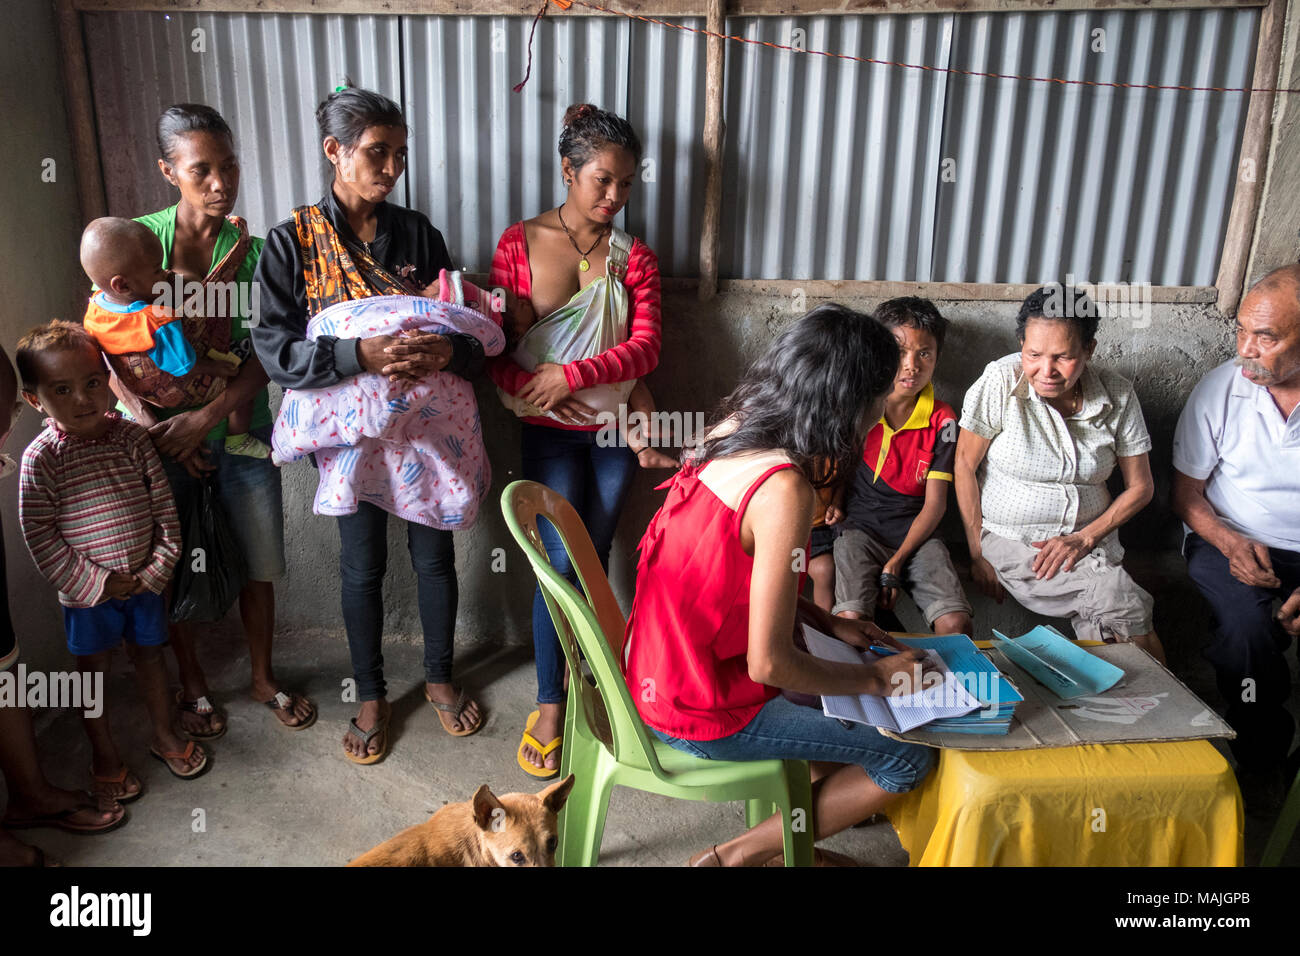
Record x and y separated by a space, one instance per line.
363 560
595 481
788 731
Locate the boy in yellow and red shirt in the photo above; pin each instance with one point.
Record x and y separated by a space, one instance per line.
896 500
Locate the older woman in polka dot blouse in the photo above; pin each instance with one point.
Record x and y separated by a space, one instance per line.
1041 432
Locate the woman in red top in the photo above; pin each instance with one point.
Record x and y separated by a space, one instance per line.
554 262
711 635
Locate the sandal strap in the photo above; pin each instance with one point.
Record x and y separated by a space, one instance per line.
365 736
281 701
536 744
455 708
200 705
178 754
119 777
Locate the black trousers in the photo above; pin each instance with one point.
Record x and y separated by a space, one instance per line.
1248 652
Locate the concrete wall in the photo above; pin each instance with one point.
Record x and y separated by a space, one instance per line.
40 277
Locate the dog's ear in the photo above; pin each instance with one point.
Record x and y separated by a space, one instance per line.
486 807
553 797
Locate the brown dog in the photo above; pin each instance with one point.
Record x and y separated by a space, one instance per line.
519 829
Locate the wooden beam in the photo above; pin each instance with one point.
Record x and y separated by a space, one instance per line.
81 112
1254 161
714 132
649 8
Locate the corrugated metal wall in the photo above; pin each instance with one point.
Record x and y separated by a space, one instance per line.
264 74
481 156
833 169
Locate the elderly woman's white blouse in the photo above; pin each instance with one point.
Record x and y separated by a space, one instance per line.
1045 474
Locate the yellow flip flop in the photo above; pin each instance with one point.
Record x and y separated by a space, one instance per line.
541 773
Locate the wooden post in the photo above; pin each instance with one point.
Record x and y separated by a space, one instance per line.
714 130
81 112
1240 235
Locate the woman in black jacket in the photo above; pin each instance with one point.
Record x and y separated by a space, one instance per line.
349 245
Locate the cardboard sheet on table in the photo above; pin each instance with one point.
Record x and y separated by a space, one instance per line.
1148 704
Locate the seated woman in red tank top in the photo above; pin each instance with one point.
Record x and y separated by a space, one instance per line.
711 636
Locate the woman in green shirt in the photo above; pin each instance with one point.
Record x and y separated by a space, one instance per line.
197 156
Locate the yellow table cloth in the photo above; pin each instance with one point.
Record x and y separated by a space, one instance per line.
1148 804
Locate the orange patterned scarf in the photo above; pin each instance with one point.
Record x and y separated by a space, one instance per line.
334 271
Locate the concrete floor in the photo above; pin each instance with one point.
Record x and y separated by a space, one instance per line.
275 798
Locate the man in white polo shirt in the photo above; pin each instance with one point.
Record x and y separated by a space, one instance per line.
1237 489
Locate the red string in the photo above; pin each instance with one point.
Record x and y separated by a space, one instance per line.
529 71
565 4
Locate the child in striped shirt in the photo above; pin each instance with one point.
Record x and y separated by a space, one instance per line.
97 514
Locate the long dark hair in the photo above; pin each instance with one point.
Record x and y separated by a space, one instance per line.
809 393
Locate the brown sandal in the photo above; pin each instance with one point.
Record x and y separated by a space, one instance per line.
118 779
285 702
203 708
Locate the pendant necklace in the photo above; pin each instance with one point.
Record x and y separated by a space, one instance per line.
583 264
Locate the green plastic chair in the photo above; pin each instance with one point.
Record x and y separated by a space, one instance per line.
1285 828
605 742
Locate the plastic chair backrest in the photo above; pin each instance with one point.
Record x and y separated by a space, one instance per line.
594 625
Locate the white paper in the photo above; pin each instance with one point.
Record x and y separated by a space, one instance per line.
899 713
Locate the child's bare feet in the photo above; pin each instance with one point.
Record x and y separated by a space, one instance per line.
370 714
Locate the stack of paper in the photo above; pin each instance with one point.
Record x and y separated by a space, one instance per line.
997 696
935 703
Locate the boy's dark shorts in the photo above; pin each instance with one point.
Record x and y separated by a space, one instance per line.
823 541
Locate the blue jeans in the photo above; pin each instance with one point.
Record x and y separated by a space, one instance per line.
363 561
787 731
595 481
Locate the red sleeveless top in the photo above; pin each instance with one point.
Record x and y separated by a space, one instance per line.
684 651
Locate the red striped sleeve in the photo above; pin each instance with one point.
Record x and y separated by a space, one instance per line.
510 271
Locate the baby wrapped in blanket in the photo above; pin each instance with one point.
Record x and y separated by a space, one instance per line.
417 453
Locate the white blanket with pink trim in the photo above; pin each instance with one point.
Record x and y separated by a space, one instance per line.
419 454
